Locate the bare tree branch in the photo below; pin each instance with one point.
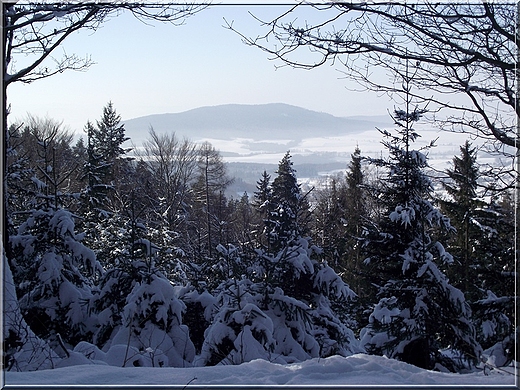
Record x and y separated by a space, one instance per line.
455 49
33 32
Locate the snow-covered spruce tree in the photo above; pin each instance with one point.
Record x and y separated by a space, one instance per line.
170 257
55 272
22 350
138 309
461 207
52 269
106 175
340 213
152 333
112 236
304 290
254 318
356 212
419 312
290 215
294 269
121 275
95 176
482 250
282 302
239 331
493 310
107 140
107 171
262 209
357 221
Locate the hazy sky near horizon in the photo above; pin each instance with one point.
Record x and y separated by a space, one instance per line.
160 68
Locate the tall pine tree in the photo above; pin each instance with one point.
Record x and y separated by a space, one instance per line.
262 209
107 176
289 216
461 208
483 251
355 220
106 168
419 312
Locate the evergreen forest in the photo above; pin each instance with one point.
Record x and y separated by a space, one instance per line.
141 259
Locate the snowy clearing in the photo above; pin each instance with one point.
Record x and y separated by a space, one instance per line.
355 370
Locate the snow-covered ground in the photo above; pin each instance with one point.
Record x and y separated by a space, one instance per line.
354 370
369 142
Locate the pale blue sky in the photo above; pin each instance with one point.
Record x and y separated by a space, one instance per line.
160 68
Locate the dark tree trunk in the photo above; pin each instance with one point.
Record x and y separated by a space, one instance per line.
417 353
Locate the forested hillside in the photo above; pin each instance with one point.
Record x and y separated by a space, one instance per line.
144 261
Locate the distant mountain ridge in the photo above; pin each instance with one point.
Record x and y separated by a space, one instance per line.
274 121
